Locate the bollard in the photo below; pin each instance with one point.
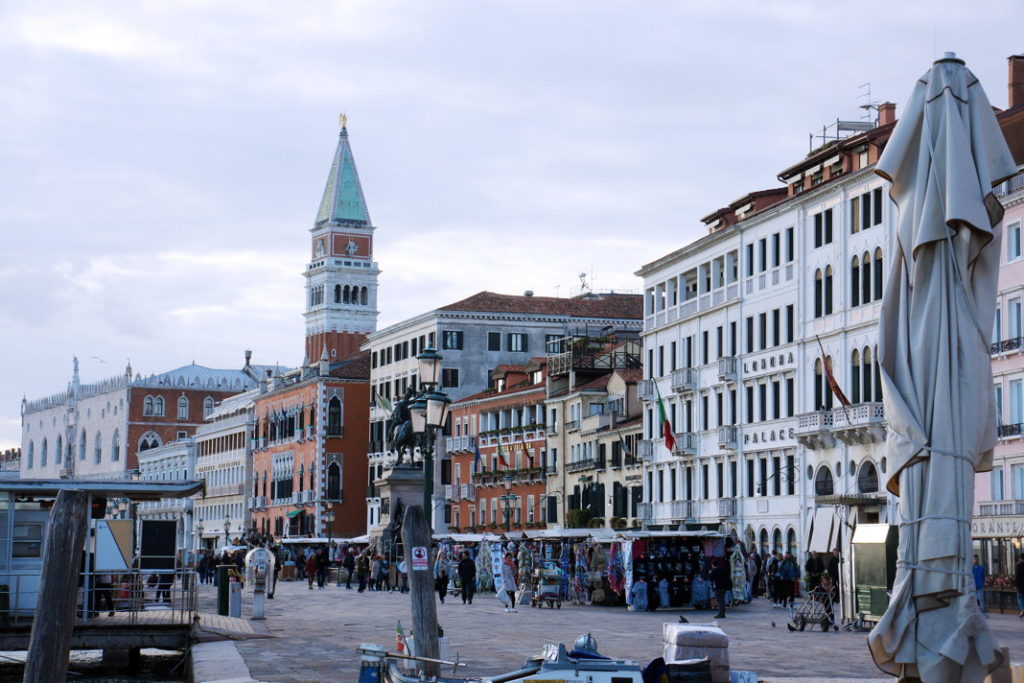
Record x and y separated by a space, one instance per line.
222 588
235 600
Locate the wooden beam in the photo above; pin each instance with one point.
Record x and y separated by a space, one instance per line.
54 621
416 539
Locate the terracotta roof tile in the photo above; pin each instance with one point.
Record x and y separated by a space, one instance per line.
623 306
356 366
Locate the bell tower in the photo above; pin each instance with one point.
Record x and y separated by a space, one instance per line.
341 277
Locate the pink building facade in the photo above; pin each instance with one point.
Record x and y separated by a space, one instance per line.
998 525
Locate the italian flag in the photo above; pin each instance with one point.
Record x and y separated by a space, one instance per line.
399 639
501 454
666 426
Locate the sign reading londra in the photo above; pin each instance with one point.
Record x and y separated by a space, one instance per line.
997 527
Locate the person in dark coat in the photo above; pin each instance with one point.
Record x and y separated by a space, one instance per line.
323 568
834 564
441 583
721 579
349 564
814 568
467 577
1019 581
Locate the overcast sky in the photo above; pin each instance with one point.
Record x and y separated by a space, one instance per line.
163 162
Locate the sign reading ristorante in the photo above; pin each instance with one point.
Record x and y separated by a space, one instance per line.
997 527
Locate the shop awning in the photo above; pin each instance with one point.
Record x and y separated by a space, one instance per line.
821 532
293 513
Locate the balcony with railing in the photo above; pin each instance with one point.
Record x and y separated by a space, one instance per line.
581 465
682 509
1010 431
467 492
686 443
455 444
1011 345
814 430
451 492
1000 508
728 437
646 448
646 390
685 380
726 507
645 511
728 368
860 423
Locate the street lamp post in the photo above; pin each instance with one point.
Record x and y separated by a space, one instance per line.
227 531
199 535
508 499
329 518
428 412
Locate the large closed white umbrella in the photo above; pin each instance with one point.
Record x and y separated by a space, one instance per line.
943 158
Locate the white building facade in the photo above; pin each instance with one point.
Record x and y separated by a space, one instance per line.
174 461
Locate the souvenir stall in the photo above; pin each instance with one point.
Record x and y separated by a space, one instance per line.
673 565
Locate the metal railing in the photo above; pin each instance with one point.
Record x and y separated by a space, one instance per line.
1006 345
684 380
1000 508
1010 429
127 597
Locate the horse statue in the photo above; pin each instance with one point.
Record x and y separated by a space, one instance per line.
401 438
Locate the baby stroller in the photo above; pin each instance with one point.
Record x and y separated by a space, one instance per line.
814 609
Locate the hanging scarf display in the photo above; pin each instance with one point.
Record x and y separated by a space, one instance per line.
598 568
580 578
739 575
627 570
563 562
525 560
616 572
484 576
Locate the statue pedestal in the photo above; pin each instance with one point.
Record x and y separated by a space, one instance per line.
403 484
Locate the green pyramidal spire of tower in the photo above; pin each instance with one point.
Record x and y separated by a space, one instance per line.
343 202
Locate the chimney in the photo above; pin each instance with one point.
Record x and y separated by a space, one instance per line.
1016 85
248 357
886 113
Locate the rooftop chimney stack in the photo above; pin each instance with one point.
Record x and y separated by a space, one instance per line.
1016 85
886 113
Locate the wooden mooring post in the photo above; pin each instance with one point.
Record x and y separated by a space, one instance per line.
416 539
54 621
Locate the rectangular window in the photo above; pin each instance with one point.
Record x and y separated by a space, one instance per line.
997 327
750 334
750 260
452 339
776 331
762 320
762 395
855 215
720 477
750 478
764 476
704 483
790 397
776 250
750 404
449 377
762 251
1013 241
776 399
817 231
996 483
719 410
828 226
732 338
674 353
1017 481
1014 319
704 347
704 410
494 341
718 340
789 323
517 341
789 245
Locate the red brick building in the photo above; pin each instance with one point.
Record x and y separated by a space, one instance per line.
310 434
503 487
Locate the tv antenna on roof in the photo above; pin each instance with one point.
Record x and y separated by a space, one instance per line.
869 105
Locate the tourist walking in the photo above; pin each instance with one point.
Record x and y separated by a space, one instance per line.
441 583
721 579
348 563
467 578
508 581
1018 579
323 568
310 570
814 568
835 563
788 573
363 570
978 571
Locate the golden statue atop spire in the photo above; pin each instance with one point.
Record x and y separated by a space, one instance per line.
343 120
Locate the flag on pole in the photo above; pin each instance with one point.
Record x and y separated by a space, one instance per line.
476 457
666 426
501 455
384 403
400 638
526 449
625 447
833 385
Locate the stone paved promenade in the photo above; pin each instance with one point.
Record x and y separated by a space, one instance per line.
317 632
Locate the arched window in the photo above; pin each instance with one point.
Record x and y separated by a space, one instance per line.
82 445
302 479
855 282
30 460
865 278
97 449
312 477
364 297
777 541
337 294
149 440
866 374
334 417
867 478
828 290
58 452
823 483
183 408
763 542
147 406
791 542
878 377
346 297
158 406
855 377
818 308
207 406
334 481
878 274
42 453
826 390
115 447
